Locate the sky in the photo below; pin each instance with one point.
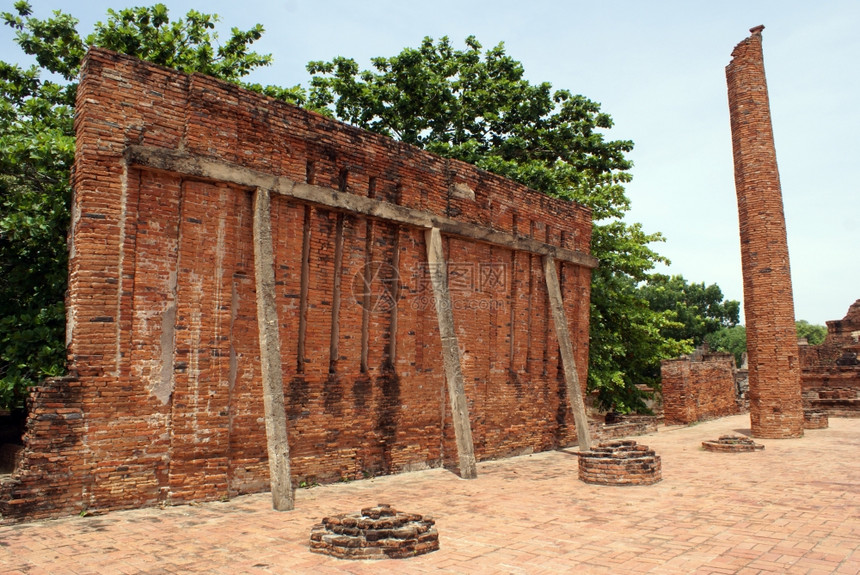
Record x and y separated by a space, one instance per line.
658 68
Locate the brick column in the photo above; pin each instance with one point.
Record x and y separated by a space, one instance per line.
775 397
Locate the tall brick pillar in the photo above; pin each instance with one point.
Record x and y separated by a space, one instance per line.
774 371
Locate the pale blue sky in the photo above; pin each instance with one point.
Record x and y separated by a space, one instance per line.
659 69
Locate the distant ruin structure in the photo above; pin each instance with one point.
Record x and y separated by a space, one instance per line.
704 385
776 409
830 372
260 296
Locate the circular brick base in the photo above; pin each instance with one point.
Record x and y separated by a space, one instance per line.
376 533
620 463
732 444
814 419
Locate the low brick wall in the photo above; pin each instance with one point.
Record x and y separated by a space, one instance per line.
50 481
732 444
834 390
620 463
698 388
815 419
624 426
379 532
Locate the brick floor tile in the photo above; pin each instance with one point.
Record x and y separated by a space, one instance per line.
786 509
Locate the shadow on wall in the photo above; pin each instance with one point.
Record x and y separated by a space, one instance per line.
11 438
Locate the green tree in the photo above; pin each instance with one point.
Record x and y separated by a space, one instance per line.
37 151
814 334
731 340
476 106
700 309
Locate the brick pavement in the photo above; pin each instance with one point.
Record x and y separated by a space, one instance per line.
792 508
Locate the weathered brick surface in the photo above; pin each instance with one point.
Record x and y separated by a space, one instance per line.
58 473
623 426
815 419
830 372
620 462
732 444
698 388
379 532
841 345
774 368
167 403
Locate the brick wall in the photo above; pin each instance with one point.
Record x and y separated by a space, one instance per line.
162 319
774 367
830 375
841 344
57 472
698 388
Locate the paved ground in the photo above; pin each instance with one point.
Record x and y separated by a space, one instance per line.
792 508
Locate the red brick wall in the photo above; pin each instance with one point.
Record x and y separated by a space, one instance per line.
57 473
843 335
162 326
697 390
774 367
830 376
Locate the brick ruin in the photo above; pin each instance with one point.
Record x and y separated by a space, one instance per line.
704 385
815 419
260 296
617 425
621 462
774 368
830 372
732 444
379 532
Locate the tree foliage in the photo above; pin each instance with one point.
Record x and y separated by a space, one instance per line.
37 151
477 106
731 340
700 309
814 334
